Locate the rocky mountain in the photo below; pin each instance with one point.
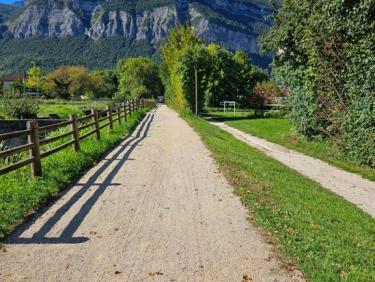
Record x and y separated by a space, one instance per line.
234 23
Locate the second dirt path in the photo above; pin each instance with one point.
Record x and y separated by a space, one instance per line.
350 186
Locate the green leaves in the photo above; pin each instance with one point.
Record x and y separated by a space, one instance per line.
139 77
325 56
222 75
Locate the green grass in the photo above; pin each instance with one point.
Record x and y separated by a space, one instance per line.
329 238
66 108
21 194
279 130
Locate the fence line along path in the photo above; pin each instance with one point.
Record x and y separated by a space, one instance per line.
80 129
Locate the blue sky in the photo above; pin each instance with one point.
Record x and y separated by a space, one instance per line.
7 1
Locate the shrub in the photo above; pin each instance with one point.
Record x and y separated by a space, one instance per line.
18 106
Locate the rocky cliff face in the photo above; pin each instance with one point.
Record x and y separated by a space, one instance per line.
236 23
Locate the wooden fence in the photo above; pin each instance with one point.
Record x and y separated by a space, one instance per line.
92 122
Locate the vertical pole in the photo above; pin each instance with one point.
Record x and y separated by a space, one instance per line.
125 112
196 90
119 113
96 123
109 108
130 107
33 138
143 103
74 127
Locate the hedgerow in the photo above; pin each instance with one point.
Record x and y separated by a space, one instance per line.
325 56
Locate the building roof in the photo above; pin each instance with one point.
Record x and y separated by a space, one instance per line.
11 78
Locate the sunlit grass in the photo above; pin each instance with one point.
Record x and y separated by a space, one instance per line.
329 238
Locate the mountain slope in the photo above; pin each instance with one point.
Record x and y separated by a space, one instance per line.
233 23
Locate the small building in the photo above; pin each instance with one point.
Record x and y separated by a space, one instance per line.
7 81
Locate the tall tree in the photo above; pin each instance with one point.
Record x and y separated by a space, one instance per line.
139 77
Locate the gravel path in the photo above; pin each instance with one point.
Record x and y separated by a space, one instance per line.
350 186
155 209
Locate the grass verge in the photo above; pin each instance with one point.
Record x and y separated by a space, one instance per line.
279 131
329 238
20 194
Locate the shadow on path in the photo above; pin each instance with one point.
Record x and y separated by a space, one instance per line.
66 236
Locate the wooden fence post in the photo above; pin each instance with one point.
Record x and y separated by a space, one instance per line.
96 123
143 103
125 112
130 107
119 113
109 108
74 127
33 138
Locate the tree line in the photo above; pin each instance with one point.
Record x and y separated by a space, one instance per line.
222 75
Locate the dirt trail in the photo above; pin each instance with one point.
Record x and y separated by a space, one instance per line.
155 209
350 186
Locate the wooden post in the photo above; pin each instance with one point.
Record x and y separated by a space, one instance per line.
33 138
125 112
74 127
109 108
119 113
130 107
143 103
96 123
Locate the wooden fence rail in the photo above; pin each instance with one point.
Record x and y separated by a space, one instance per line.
76 125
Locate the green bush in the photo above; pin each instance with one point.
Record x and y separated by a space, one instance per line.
359 131
18 106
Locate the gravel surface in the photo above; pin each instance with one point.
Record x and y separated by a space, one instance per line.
155 209
350 186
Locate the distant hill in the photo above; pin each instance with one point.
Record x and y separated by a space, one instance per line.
54 32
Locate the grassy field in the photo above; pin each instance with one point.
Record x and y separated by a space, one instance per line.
327 237
279 130
21 194
66 108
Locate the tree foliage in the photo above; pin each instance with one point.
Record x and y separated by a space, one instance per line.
325 55
69 82
222 75
35 79
139 77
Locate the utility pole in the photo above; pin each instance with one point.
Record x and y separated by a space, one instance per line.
196 90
